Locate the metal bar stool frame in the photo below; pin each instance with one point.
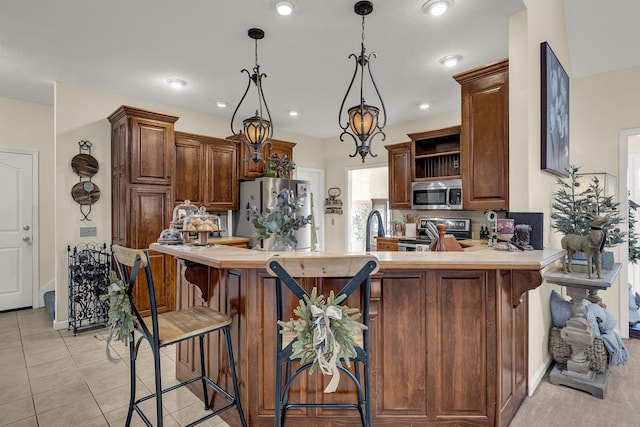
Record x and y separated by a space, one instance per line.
361 280
128 263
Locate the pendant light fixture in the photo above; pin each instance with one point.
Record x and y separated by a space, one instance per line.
257 130
363 120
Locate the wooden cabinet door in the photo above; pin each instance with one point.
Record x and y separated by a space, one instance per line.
188 171
151 210
485 137
399 355
220 190
248 170
399 175
385 244
151 144
463 341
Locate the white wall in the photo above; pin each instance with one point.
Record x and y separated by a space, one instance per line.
29 126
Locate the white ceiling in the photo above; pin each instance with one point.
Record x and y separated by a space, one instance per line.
132 48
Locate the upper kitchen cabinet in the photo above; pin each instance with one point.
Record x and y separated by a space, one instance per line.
251 170
205 172
484 140
399 175
436 154
149 144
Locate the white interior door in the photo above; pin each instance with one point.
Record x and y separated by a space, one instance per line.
16 230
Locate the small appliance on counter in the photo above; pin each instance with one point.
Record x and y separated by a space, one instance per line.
427 233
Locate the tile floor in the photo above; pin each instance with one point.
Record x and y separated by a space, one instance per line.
49 378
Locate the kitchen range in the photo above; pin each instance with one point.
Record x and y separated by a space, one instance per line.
427 234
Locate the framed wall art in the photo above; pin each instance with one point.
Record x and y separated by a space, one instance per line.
554 100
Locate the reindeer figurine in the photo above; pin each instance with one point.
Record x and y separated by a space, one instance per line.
591 245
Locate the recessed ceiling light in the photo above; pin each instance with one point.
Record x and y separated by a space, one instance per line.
437 7
293 113
221 104
450 60
424 106
176 83
284 8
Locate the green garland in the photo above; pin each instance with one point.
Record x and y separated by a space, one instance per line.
343 331
120 316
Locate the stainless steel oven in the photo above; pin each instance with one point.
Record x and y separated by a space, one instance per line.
460 228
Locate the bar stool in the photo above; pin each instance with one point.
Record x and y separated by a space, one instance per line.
165 329
359 269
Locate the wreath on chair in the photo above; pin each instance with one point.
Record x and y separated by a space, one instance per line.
325 332
120 317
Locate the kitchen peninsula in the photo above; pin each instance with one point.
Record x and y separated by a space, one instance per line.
448 333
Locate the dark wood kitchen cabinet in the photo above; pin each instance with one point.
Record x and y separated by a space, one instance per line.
399 175
248 170
436 154
142 158
205 172
484 138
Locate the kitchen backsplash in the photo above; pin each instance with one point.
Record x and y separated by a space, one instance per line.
477 217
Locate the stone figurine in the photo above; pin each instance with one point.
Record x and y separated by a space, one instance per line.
591 245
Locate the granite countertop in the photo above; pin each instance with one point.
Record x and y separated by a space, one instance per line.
477 258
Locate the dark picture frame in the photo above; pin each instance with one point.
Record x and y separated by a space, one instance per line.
554 115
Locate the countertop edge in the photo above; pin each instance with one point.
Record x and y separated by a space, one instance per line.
227 257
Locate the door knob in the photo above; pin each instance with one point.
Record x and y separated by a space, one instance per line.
26 227
26 238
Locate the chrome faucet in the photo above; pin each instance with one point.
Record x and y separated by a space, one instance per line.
367 243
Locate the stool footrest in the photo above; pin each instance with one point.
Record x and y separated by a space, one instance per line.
209 381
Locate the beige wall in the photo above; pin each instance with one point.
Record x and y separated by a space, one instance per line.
28 126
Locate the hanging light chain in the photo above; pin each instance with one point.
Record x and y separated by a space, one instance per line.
258 80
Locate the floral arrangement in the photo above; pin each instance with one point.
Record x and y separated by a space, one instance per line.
281 220
325 332
280 167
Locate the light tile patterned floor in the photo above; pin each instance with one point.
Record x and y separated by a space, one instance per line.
50 378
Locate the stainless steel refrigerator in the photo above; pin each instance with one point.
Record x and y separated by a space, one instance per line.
262 193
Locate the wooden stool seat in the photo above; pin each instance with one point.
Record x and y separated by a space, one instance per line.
176 326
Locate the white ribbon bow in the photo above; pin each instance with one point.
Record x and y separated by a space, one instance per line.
321 329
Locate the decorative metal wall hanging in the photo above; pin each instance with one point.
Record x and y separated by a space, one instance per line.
257 130
89 267
363 120
85 192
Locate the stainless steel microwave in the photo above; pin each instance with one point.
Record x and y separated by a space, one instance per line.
442 195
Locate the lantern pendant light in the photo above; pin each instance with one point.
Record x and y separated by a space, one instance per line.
257 130
363 121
